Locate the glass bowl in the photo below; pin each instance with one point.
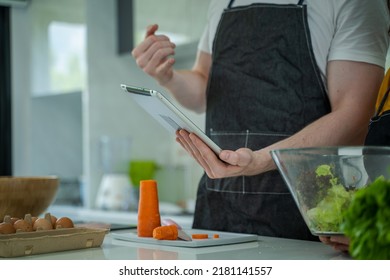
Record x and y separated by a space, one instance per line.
323 180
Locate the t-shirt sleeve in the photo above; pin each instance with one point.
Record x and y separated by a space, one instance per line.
361 32
203 44
213 16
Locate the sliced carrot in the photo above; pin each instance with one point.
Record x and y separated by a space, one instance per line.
216 236
199 236
169 232
148 208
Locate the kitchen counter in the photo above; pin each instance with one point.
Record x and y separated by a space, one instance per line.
268 248
112 249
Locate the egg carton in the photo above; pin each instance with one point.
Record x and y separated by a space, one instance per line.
48 241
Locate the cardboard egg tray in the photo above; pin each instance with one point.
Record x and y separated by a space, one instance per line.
47 241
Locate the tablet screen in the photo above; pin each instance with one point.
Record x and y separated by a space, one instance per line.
166 113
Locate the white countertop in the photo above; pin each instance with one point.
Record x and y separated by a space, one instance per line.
112 249
268 248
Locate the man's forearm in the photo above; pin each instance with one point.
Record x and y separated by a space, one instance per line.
188 87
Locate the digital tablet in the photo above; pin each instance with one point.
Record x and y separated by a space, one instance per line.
166 113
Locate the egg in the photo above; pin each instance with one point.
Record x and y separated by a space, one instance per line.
42 224
14 219
6 228
23 226
53 220
64 222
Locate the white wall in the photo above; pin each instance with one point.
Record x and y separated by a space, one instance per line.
106 110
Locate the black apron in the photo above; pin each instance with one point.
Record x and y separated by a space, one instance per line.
379 127
264 86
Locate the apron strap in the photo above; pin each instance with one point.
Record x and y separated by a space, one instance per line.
383 102
300 2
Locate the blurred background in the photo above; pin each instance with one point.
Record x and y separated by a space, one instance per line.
62 109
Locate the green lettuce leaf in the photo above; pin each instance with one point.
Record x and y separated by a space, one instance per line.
367 222
327 215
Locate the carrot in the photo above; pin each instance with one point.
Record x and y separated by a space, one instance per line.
148 209
216 236
199 236
165 232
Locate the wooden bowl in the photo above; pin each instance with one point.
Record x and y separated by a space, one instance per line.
26 195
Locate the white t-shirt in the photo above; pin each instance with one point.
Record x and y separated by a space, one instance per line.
354 30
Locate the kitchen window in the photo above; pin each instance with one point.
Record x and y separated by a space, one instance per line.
59 47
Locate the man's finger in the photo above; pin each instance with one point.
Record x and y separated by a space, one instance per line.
150 30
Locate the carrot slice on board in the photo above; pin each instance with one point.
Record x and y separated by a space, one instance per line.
199 236
169 232
148 208
216 236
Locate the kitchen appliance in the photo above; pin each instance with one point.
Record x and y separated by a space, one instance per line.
116 189
115 193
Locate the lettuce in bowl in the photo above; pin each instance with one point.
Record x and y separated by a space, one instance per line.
327 215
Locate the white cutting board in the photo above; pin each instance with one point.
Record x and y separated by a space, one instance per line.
224 238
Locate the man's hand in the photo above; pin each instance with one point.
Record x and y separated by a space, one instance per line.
154 55
228 164
339 243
